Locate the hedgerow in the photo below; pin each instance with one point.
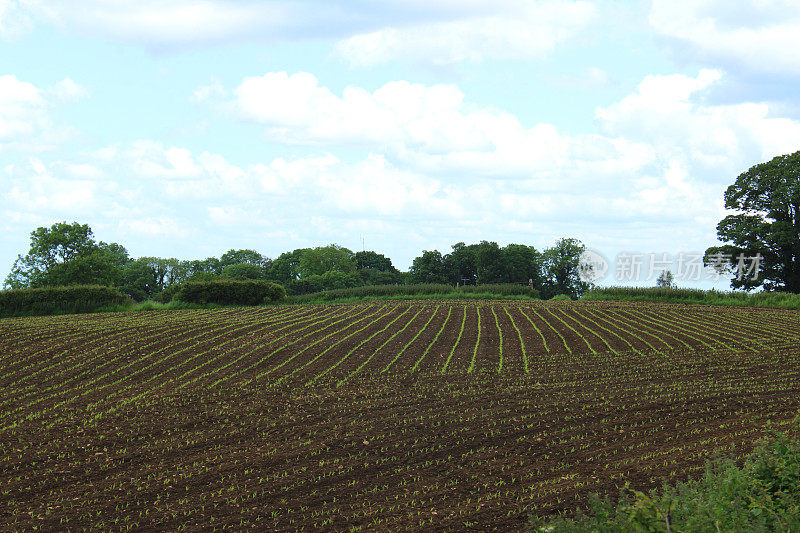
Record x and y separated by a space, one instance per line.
230 292
378 291
782 300
60 300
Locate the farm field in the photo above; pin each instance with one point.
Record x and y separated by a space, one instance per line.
400 415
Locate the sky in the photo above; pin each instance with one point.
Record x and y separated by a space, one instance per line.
188 128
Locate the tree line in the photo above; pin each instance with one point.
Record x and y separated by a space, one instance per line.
67 254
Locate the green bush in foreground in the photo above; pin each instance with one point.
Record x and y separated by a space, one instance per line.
230 292
762 495
60 300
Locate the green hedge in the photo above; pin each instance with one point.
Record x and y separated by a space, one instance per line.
424 289
783 300
230 292
59 300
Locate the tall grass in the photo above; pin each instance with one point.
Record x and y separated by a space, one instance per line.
783 300
426 290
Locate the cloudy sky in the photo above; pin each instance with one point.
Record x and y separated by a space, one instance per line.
186 128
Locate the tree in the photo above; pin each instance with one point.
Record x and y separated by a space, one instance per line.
562 266
236 257
665 280
67 254
287 266
326 259
242 271
373 260
461 265
522 263
766 225
489 263
429 268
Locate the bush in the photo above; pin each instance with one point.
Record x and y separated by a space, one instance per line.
60 300
762 495
561 297
167 294
230 292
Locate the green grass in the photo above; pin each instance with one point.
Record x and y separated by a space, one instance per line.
761 495
782 300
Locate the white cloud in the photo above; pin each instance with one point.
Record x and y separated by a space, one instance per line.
25 121
516 30
152 160
178 23
208 92
68 91
159 226
35 188
668 113
763 35
14 20
22 109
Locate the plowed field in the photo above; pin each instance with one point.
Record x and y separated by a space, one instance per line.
419 416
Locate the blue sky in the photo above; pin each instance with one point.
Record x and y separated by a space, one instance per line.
186 130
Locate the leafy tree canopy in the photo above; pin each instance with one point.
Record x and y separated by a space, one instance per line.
326 259
429 268
373 260
766 199
235 257
67 254
562 268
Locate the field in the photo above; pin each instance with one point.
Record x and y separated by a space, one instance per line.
434 415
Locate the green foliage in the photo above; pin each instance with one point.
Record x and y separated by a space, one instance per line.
318 261
562 268
761 495
230 292
371 276
148 276
767 201
666 279
327 281
561 297
482 263
59 300
426 289
782 300
237 257
243 271
373 261
168 294
429 268
287 266
66 254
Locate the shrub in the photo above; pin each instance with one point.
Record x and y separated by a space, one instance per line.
60 300
761 495
167 294
230 292
561 297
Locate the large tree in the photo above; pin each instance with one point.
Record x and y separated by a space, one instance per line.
766 224
67 254
429 268
326 259
562 267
